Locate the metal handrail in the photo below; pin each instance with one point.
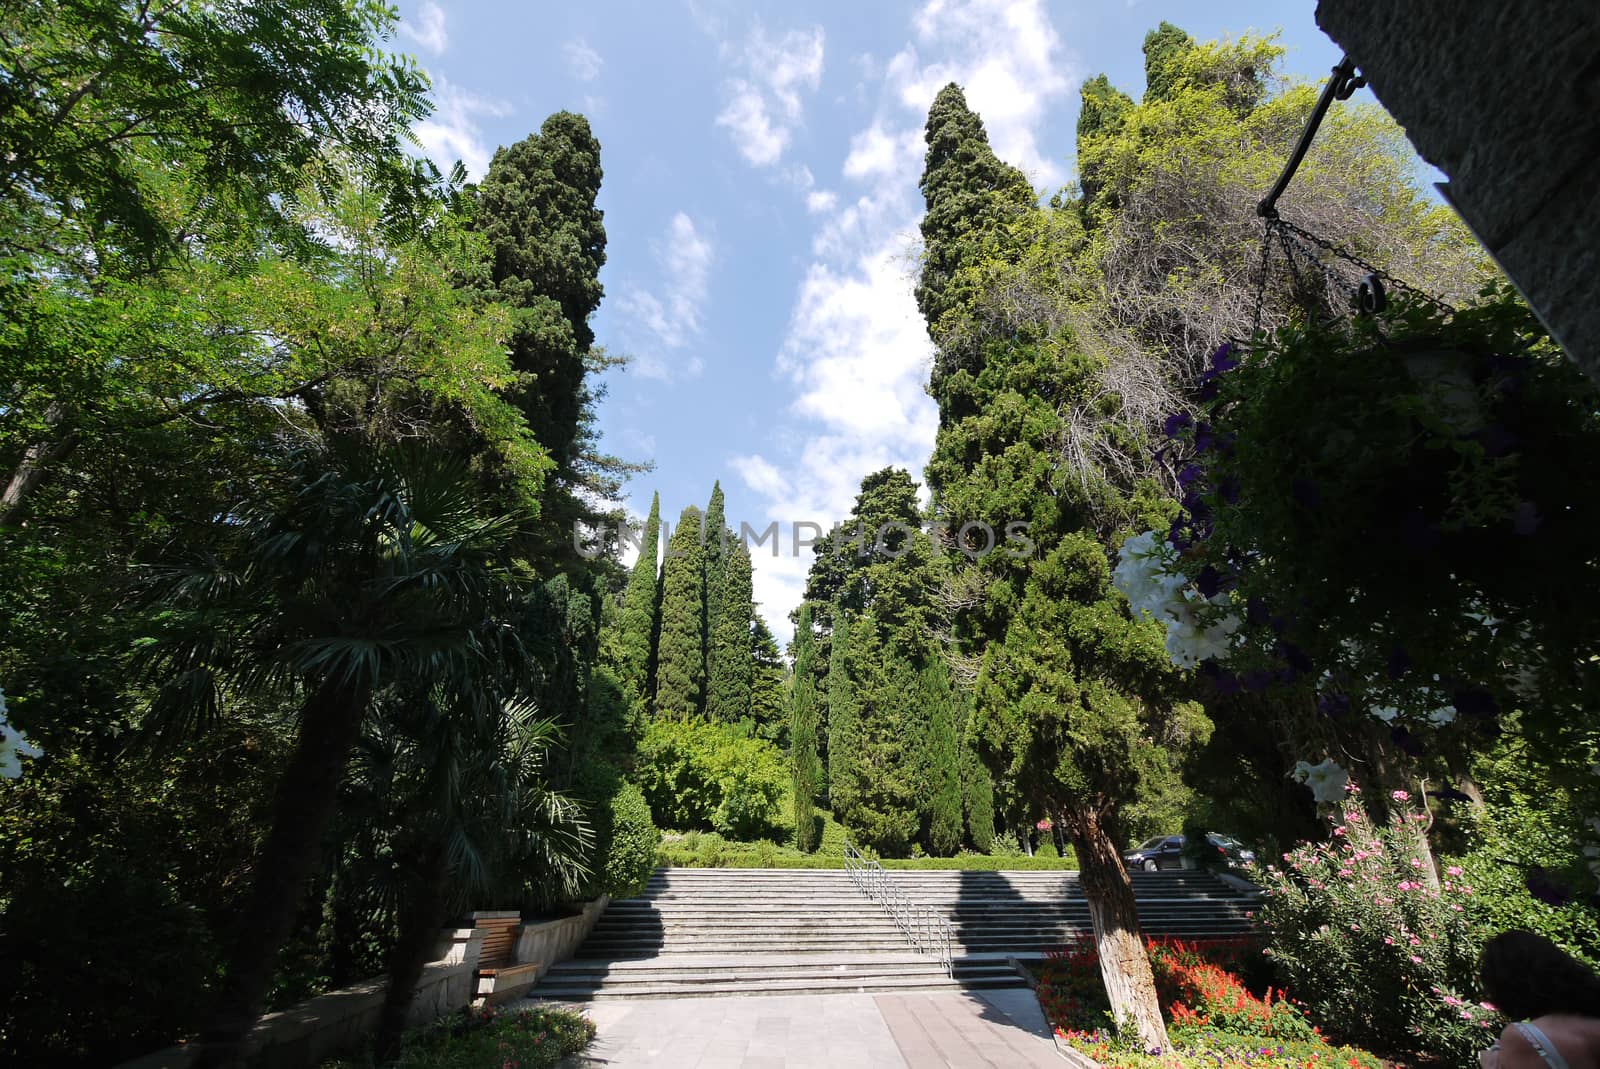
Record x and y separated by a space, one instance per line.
925 928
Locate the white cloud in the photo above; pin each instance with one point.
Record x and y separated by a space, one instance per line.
428 31
758 138
669 318
583 61
857 350
821 200
764 104
1004 54
452 133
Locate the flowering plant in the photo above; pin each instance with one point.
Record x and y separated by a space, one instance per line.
1361 929
1213 1019
1391 508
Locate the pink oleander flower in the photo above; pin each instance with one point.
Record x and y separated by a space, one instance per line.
1488 1006
1388 941
1400 796
1415 941
1415 863
1454 870
1416 959
1338 831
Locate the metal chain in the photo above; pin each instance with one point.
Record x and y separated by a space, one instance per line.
1293 240
1345 254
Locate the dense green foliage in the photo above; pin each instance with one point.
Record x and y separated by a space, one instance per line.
632 837
641 614
292 435
844 721
804 768
697 774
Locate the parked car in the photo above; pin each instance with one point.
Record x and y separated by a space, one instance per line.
1166 852
1160 852
1237 853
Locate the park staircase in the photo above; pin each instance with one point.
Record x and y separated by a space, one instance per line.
703 932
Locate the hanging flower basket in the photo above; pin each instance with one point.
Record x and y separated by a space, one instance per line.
1401 509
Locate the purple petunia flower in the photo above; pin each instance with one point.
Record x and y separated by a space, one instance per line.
1333 704
1176 422
1399 663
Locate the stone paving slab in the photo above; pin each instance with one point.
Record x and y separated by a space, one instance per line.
954 1030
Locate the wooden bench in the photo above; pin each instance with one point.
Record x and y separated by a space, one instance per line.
499 975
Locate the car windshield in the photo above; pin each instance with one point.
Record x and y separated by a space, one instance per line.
1225 840
1151 844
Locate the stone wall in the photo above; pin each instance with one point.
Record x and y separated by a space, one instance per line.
342 1021
1504 98
554 941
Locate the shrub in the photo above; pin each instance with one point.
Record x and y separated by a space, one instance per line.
711 777
630 855
1355 930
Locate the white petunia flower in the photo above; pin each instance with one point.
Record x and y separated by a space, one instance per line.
1386 713
14 746
1326 780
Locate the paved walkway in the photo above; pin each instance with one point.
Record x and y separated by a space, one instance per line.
957 1030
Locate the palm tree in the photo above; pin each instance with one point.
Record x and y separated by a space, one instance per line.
368 569
475 818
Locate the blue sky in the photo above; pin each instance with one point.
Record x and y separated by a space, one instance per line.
761 203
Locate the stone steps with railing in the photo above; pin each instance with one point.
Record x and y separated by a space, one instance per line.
708 932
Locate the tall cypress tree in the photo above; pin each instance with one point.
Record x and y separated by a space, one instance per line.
1163 46
730 665
1071 694
680 649
803 731
977 786
769 706
944 778
640 613
967 189
844 725
547 240
714 546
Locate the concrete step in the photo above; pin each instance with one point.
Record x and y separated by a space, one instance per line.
582 993
710 932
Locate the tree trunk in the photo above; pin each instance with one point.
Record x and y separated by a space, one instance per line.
346 929
31 469
1124 965
306 797
421 919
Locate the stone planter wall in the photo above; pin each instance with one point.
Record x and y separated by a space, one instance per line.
551 941
338 1022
